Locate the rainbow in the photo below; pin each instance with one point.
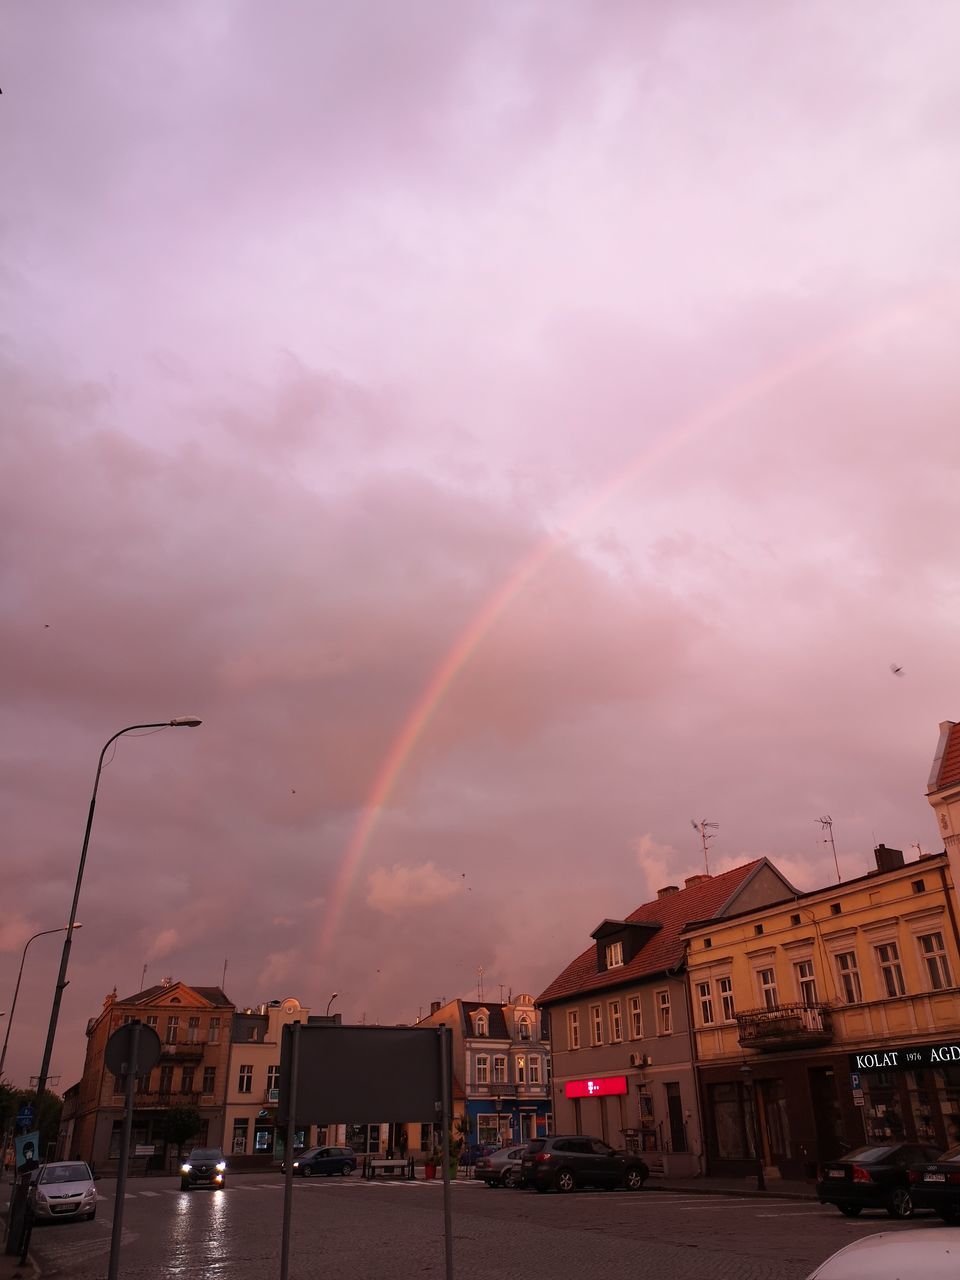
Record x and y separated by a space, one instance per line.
744 394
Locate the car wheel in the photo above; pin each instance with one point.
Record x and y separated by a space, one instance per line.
347 1169
306 1171
508 1178
850 1210
900 1205
91 1215
564 1181
635 1178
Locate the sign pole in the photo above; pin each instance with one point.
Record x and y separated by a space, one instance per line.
446 1107
291 1133
133 1059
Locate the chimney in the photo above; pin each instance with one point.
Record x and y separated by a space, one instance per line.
667 890
692 880
434 1006
888 859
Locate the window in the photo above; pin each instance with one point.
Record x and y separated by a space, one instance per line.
835 908
705 1001
795 919
273 1077
636 1018
245 1084
499 1070
806 982
534 1069
664 1014
917 886
707 944
891 975
616 1022
523 1028
120 1082
849 974
173 1026
767 983
758 929
209 1079
186 1080
596 1024
152 1020
240 1128
614 955
521 1070
934 956
483 1069
573 1029
725 992
214 1030
166 1078
481 1025
193 1030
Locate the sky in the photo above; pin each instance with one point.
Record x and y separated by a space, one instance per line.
518 430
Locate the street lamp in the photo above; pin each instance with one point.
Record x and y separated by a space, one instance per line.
180 722
747 1074
16 991
330 1002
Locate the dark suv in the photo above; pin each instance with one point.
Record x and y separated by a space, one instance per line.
565 1163
203 1167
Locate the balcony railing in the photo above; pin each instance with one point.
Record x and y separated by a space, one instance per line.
183 1049
785 1026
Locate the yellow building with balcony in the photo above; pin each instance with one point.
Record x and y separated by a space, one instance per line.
829 1020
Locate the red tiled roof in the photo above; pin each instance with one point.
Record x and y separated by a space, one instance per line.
950 764
666 948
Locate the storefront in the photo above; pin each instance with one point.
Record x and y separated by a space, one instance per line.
909 1092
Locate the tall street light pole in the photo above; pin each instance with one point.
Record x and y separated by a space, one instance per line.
330 1002
188 722
16 991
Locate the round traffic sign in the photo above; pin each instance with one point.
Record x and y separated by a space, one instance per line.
120 1049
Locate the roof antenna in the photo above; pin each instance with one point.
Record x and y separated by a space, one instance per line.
826 824
142 976
480 983
703 826
223 980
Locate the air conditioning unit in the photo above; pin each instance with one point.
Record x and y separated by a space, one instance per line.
640 1060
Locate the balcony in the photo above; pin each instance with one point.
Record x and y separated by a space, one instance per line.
190 1051
786 1026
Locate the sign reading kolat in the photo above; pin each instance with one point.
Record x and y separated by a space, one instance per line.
907 1058
601 1088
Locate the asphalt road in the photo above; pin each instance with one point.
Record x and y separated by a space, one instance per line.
348 1228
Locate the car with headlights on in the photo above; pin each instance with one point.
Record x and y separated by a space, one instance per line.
326 1160
501 1168
566 1162
203 1167
874 1177
936 1186
63 1189
893 1255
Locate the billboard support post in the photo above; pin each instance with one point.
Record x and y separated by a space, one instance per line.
446 1121
291 1134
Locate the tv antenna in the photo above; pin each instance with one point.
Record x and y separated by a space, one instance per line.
480 983
826 824
703 826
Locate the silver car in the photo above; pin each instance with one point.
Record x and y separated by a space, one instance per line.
64 1189
500 1168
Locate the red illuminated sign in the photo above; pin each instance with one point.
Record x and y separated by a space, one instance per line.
596 1088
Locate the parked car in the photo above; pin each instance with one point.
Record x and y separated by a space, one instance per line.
891 1255
63 1189
475 1151
501 1168
874 1177
565 1162
203 1167
936 1186
328 1160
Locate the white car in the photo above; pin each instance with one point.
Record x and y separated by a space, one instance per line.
933 1254
63 1189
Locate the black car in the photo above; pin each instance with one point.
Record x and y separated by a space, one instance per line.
203 1167
563 1163
936 1185
328 1160
874 1177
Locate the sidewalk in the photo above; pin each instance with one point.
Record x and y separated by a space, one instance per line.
776 1189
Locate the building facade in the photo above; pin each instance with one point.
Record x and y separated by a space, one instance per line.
502 1065
251 1130
194 1025
829 1021
621 1035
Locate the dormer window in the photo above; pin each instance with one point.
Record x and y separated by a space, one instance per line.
481 1024
614 954
523 1028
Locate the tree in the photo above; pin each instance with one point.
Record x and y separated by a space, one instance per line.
180 1124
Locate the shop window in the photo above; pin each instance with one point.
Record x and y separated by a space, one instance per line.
891 975
922 1107
848 974
730 1117
240 1131
934 956
573 1029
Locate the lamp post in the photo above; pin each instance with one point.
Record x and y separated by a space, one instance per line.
180 722
330 1002
747 1074
16 991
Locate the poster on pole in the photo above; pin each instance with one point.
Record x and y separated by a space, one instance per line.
28 1148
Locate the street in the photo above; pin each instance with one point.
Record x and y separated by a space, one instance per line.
351 1228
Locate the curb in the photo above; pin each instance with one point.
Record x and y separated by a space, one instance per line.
742 1193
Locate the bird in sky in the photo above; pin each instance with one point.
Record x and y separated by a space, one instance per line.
897 671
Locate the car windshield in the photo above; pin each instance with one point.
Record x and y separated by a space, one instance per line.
206 1153
72 1172
868 1155
309 1154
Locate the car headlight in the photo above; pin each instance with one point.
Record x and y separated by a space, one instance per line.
185 1168
296 1164
221 1166
90 1191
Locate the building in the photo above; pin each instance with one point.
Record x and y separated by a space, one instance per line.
253 1081
502 1065
622 1044
943 792
194 1025
829 1021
